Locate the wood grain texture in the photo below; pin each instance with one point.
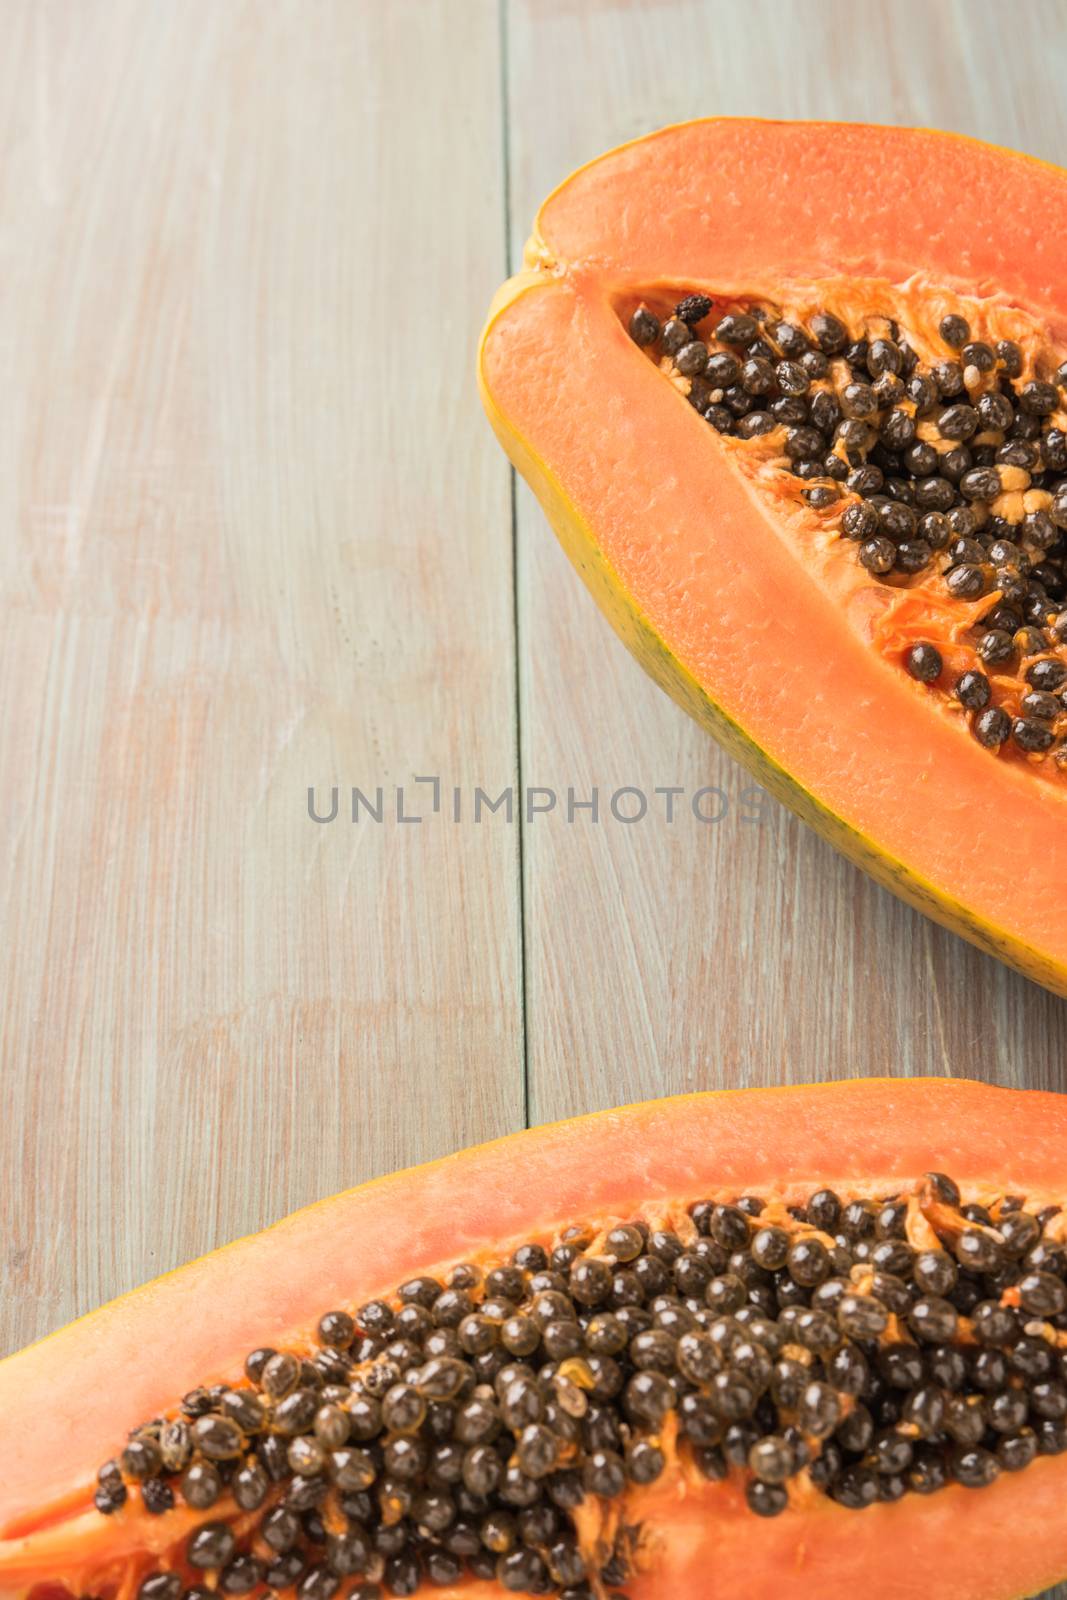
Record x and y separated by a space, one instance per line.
697 957
253 536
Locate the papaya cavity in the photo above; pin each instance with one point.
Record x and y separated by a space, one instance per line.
922 438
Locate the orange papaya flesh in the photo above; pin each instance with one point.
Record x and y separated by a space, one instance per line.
738 596
68 1403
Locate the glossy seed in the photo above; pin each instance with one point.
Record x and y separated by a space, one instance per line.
972 690
644 327
736 328
878 556
1032 734
624 1243
924 663
217 1438
955 330
966 582
210 1546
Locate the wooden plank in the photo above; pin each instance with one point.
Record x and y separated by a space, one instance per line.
253 536
700 956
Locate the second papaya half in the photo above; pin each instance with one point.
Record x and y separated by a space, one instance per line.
794 398
741 1346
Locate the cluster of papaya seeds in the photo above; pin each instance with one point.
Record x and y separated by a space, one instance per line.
943 474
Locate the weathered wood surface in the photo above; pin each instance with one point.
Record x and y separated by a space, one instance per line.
254 535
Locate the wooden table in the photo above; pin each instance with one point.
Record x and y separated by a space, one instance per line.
256 536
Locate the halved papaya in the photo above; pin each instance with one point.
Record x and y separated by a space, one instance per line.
829 516
755 1344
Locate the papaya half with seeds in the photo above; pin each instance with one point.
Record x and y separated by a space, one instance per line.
759 1343
792 396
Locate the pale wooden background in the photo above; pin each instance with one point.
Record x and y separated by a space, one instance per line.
254 534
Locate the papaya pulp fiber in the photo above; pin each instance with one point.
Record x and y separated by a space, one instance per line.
774 639
67 1403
